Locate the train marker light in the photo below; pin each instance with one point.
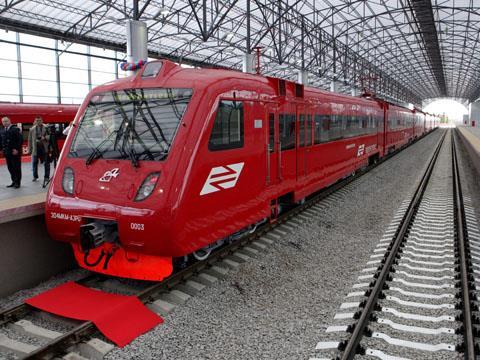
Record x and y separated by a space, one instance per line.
68 180
147 187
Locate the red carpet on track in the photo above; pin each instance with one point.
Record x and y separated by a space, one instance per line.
120 318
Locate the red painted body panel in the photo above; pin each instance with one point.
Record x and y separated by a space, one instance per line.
177 219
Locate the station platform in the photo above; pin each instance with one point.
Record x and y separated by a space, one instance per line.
27 253
471 138
27 201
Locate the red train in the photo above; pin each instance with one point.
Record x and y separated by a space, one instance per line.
173 162
23 114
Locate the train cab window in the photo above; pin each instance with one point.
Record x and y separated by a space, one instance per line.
287 131
308 131
302 130
227 132
271 132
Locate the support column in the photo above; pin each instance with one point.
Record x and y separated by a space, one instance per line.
57 72
474 114
116 65
137 38
354 91
335 86
303 77
89 68
19 69
248 63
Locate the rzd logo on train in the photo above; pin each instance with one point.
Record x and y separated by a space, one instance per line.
109 175
222 177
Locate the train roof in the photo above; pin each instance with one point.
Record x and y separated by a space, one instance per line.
205 77
26 112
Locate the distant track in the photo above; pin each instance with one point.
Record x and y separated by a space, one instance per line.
420 302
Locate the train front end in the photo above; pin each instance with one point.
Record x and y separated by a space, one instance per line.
109 197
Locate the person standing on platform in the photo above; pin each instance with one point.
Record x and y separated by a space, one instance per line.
53 149
38 138
11 144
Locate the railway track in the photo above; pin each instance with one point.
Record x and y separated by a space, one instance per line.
420 301
76 337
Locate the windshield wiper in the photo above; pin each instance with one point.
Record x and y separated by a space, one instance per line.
96 152
133 157
153 155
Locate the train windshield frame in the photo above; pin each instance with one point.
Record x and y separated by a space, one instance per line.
137 123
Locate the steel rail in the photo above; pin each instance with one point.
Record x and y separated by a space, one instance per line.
19 311
352 344
462 239
150 294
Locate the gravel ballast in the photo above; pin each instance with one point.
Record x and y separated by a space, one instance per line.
278 305
469 176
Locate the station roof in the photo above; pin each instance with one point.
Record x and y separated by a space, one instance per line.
405 50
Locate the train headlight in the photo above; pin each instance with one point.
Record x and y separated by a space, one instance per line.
68 180
147 187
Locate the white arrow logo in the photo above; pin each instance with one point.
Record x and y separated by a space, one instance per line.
222 177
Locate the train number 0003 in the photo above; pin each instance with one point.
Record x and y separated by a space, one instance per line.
137 226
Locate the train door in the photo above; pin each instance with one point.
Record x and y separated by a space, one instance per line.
301 152
287 155
385 128
380 122
308 141
272 145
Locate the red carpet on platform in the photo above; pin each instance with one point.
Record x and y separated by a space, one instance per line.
120 318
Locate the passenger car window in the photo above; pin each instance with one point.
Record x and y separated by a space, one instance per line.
308 131
287 131
302 130
326 122
336 127
317 131
227 132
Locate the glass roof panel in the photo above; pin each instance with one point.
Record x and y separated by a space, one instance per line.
395 47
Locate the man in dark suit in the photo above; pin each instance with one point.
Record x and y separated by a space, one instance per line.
11 143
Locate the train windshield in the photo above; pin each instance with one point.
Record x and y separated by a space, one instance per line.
135 124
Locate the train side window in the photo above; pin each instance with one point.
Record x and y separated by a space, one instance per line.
302 130
372 121
336 127
227 132
326 122
351 126
308 131
287 131
317 130
271 132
